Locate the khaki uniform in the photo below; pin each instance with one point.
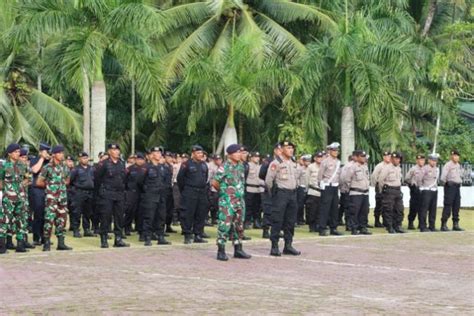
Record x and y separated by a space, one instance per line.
356 178
301 192
313 197
429 197
378 194
451 177
389 180
253 194
328 177
413 179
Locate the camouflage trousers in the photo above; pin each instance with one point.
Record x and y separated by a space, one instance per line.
12 217
55 214
230 221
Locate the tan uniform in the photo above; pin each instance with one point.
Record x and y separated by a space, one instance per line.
253 181
451 173
212 167
312 182
389 175
376 172
356 178
301 175
283 173
429 178
414 176
343 185
329 172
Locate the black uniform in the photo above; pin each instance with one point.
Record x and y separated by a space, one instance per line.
111 196
169 194
132 198
266 195
192 182
82 186
36 198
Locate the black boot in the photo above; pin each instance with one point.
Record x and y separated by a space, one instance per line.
378 224
148 241
188 239
103 241
400 230
265 233
246 238
88 233
120 243
199 240
240 253
20 246
27 244
257 224
46 244
365 231
10 245
444 227
456 227
221 255
205 236
61 244
163 241
3 245
36 240
289 250
390 230
142 237
170 229
275 251
335 232
77 234
127 231
410 225
354 231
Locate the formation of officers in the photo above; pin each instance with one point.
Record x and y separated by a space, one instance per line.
151 192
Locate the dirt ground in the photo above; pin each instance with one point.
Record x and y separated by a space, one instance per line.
415 273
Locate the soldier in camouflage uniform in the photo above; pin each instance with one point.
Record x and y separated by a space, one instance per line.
54 177
230 182
27 213
12 218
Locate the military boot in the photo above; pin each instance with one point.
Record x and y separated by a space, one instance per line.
444 227
188 239
335 232
289 250
61 244
10 245
27 244
3 245
221 255
365 231
76 234
36 240
377 223
199 240
119 243
411 226
391 230
88 233
103 241
456 227
265 233
147 241
20 246
257 224
400 230
46 244
275 251
354 231
240 253
163 241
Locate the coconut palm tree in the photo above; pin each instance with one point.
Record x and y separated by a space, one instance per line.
87 32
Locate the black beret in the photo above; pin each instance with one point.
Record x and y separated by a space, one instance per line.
184 156
232 149
287 143
69 157
168 154
387 153
101 154
12 147
455 152
196 148
57 149
254 154
113 146
420 156
83 154
243 148
277 145
359 153
216 157
23 152
397 154
156 148
44 146
319 154
140 155
205 153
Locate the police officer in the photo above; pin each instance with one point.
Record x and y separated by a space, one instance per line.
215 163
176 194
36 194
344 200
429 194
82 186
301 168
154 186
387 156
132 194
328 177
192 181
390 180
451 177
266 195
281 180
253 192
356 178
110 175
413 179
169 191
314 193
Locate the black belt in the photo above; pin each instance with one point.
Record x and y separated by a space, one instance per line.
195 188
390 187
253 185
84 190
359 190
287 190
453 184
315 188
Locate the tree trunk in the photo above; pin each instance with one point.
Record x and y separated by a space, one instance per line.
241 129
324 136
86 113
132 132
429 17
347 133
98 118
229 135
214 136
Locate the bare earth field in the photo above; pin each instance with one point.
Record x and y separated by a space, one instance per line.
414 273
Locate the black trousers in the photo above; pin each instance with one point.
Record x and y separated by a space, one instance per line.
452 202
213 205
415 203
392 207
344 202
132 200
300 200
283 214
429 200
111 205
312 211
81 206
329 208
252 204
195 210
169 206
154 213
37 203
358 211
267 209
378 204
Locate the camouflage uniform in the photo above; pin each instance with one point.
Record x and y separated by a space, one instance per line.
27 213
55 176
231 202
12 217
